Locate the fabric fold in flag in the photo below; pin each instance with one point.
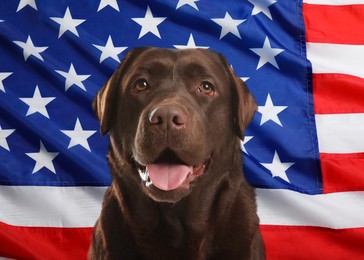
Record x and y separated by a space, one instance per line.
335 49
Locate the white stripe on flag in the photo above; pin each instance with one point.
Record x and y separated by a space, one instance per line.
340 133
290 208
80 207
50 206
334 2
336 58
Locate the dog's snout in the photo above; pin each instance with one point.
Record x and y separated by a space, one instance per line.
168 116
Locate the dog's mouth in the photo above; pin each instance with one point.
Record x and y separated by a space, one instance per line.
168 172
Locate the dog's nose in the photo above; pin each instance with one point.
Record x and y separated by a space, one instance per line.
168 116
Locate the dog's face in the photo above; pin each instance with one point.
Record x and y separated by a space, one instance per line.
169 113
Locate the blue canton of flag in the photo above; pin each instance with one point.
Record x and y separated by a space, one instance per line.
56 55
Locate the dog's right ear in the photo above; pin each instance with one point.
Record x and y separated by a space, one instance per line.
104 101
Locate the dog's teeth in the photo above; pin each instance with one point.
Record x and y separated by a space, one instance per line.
143 174
148 183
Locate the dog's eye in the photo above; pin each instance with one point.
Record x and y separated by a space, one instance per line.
141 85
207 88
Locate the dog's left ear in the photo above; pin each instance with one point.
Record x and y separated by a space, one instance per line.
244 105
102 103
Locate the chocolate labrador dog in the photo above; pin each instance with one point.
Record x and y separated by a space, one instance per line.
175 119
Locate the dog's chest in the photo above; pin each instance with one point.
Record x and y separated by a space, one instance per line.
173 238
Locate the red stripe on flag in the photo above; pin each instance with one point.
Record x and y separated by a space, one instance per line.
340 172
44 243
295 242
338 93
342 24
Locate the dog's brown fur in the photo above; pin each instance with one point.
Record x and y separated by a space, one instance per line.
213 216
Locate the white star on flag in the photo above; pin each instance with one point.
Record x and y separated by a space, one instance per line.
37 103
267 54
149 23
243 143
43 159
191 3
24 3
3 75
4 133
244 78
278 168
67 23
228 25
190 44
72 78
109 50
29 49
111 3
262 6
270 111
79 136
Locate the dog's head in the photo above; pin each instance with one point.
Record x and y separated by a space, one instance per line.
169 112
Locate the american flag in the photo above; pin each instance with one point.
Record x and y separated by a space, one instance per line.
304 151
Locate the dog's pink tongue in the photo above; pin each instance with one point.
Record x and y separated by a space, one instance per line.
168 176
